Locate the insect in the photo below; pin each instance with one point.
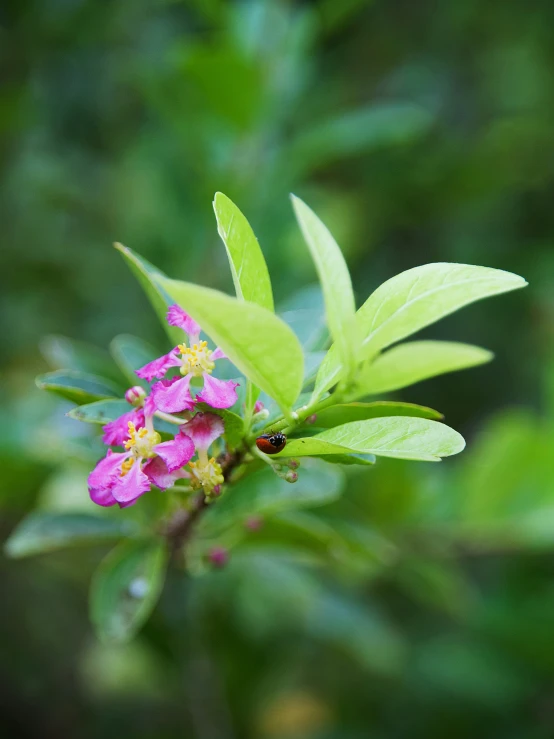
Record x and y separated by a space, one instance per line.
271 443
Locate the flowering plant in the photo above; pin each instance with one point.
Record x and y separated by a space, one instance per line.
196 427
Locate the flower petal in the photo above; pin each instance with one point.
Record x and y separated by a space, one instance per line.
158 367
218 393
132 485
218 354
116 432
103 477
204 429
176 453
149 405
173 397
176 316
160 476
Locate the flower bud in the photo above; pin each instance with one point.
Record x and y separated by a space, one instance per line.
218 556
294 464
291 476
135 396
259 406
312 418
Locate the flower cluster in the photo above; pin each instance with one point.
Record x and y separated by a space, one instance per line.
123 476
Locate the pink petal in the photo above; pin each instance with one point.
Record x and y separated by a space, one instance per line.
149 405
132 485
160 476
173 397
218 354
158 367
116 432
218 393
176 453
103 477
176 316
102 497
204 429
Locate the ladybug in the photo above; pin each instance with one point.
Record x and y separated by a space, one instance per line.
271 443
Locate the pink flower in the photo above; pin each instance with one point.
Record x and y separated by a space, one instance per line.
195 360
158 367
116 432
176 316
122 477
206 472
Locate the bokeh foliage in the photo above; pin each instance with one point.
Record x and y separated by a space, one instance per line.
420 132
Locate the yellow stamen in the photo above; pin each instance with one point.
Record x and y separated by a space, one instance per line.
196 360
126 466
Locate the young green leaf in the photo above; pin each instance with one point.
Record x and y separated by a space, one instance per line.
42 532
415 361
257 342
402 437
149 278
77 386
248 267
412 300
126 587
101 411
335 281
343 413
130 353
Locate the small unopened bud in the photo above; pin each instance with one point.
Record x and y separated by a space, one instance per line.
260 415
258 406
312 418
294 464
291 476
216 492
254 523
218 556
135 396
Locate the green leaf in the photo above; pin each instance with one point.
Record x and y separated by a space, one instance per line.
415 361
366 129
402 437
46 532
360 459
248 267
342 413
131 353
77 386
63 353
335 281
412 300
102 411
126 587
263 493
257 342
304 312
150 278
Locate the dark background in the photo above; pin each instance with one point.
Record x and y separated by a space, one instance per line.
419 131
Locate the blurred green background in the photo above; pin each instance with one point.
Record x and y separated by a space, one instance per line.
419 132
